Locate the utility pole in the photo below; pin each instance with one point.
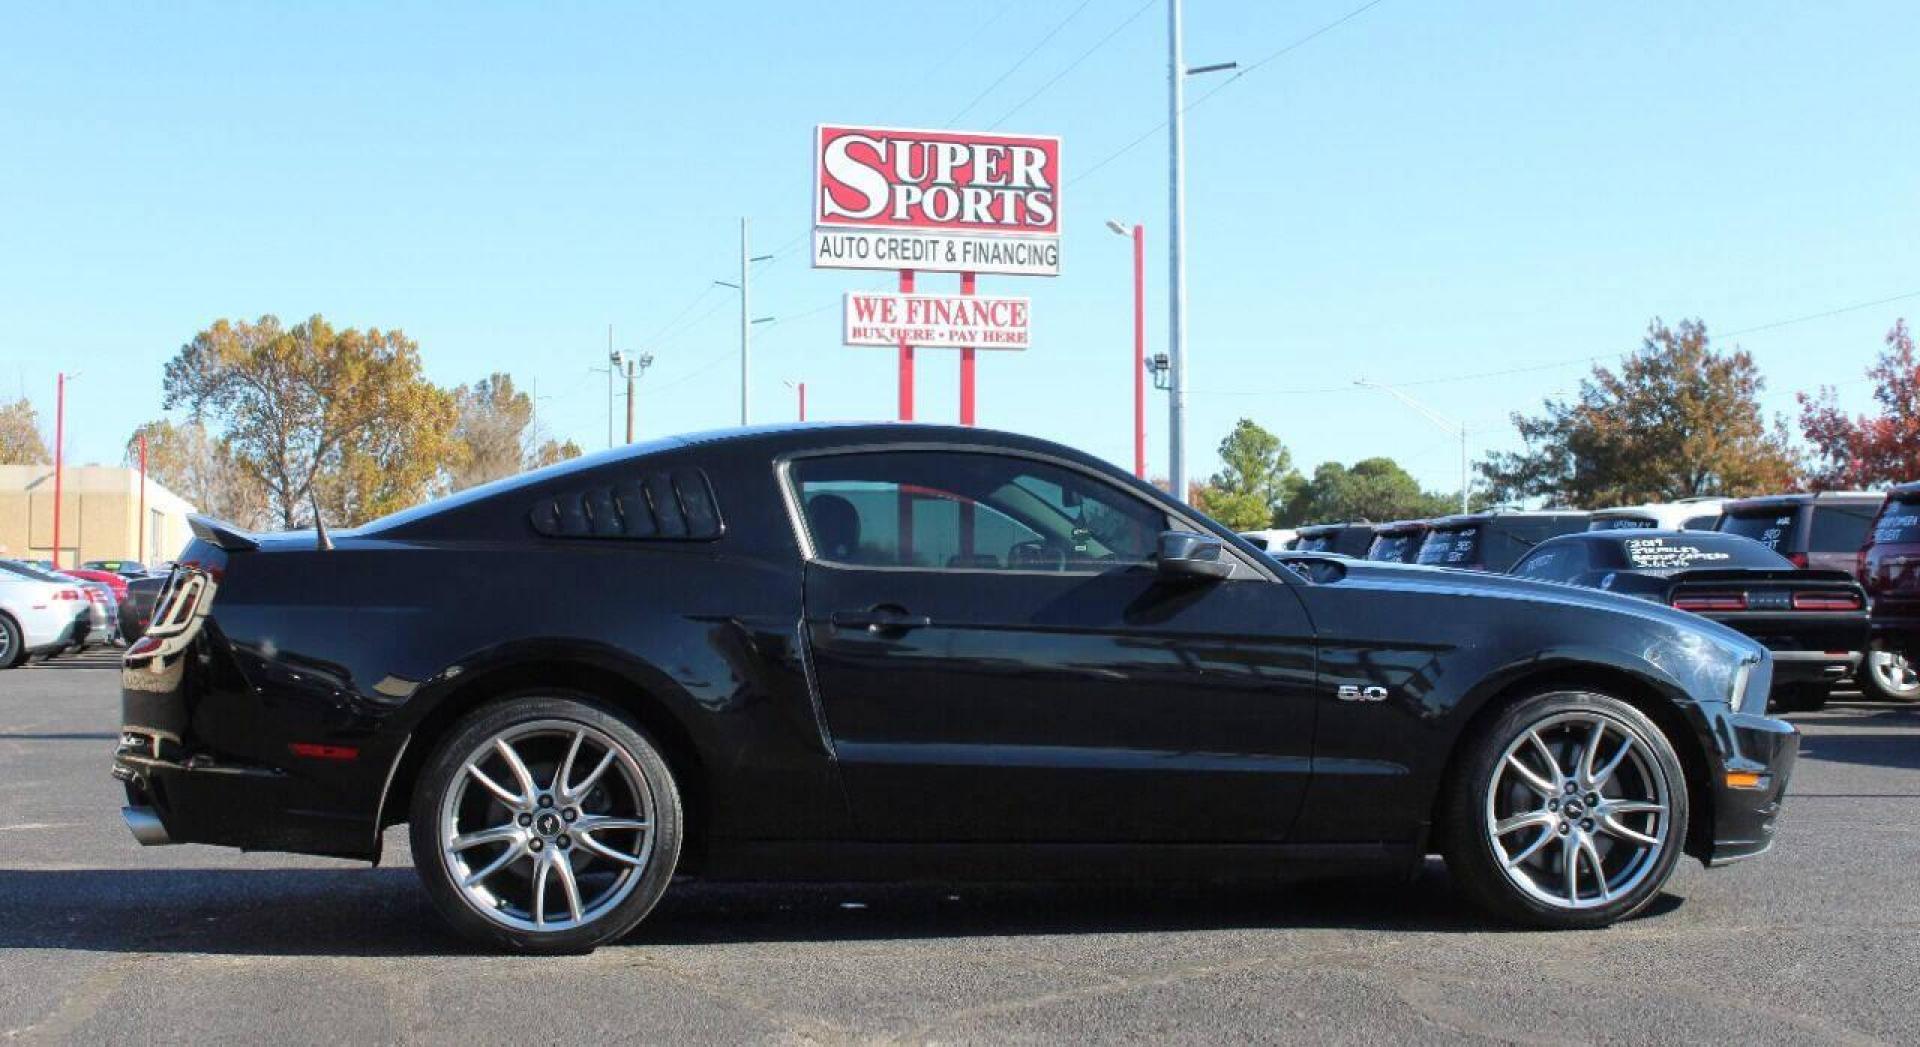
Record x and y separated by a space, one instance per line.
747 320
1177 72
1447 424
636 366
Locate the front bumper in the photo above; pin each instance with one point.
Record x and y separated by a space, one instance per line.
1757 760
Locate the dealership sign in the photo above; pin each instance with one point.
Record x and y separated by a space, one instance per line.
944 201
937 321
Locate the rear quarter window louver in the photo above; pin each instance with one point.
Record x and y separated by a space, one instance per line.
676 506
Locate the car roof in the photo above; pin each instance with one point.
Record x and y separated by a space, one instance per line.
1777 501
1468 519
1398 526
1320 529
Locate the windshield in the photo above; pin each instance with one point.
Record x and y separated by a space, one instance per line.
1318 543
1394 548
1773 529
1457 545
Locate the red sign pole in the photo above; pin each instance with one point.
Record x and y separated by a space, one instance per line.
966 362
906 358
142 522
803 401
59 457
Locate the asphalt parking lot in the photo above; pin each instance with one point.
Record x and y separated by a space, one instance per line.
103 941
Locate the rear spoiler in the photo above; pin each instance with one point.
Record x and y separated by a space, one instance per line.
221 534
1789 575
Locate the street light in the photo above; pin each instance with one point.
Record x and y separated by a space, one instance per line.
1466 483
1139 237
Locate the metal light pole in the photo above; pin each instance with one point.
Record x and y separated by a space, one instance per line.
1177 72
1176 262
746 320
1466 481
1139 236
801 389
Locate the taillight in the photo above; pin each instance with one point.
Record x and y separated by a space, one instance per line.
1798 560
1701 602
1826 602
68 594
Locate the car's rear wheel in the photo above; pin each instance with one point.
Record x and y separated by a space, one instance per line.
546 823
13 646
1569 811
1889 677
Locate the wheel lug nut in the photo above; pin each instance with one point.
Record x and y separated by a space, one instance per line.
546 801
564 841
1563 828
1587 825
525 820
569 814
1553 805
535 845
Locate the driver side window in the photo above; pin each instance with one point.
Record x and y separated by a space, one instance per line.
970 511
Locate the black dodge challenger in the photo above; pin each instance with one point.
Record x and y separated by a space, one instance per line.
895 651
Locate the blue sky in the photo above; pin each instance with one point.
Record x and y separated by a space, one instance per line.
1428 191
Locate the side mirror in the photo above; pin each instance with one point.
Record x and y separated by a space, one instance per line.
1194 557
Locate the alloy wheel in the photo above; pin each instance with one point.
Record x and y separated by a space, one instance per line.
1579 810
547 826
1894 675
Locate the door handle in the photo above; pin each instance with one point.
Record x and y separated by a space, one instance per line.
879 620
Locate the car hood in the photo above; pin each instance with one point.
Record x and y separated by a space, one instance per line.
1486 585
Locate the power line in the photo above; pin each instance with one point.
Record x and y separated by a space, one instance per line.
1075 64
1022 60
1594 358
1296 44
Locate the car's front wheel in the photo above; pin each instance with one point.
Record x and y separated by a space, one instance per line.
1569 811
546 823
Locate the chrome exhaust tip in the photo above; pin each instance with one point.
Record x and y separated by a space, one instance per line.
145 826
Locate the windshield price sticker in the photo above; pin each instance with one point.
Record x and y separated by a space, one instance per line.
1662 554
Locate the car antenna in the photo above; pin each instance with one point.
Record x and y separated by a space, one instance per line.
324 543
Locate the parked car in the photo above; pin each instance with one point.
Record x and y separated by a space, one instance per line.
1814 622
1397 542
1272 539
136 611
38 615
887 651
1347 539
1890 569
1824 531
115 583
1496 539
126 568
1687 514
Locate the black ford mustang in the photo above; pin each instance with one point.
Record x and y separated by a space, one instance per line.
916 651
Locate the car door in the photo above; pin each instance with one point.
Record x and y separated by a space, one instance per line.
997 658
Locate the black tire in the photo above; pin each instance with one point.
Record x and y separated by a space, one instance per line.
13 643
1474 791
645 769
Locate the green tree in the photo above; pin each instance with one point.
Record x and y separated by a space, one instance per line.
1373 489
20 442
1255 481
343 417
1679 419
